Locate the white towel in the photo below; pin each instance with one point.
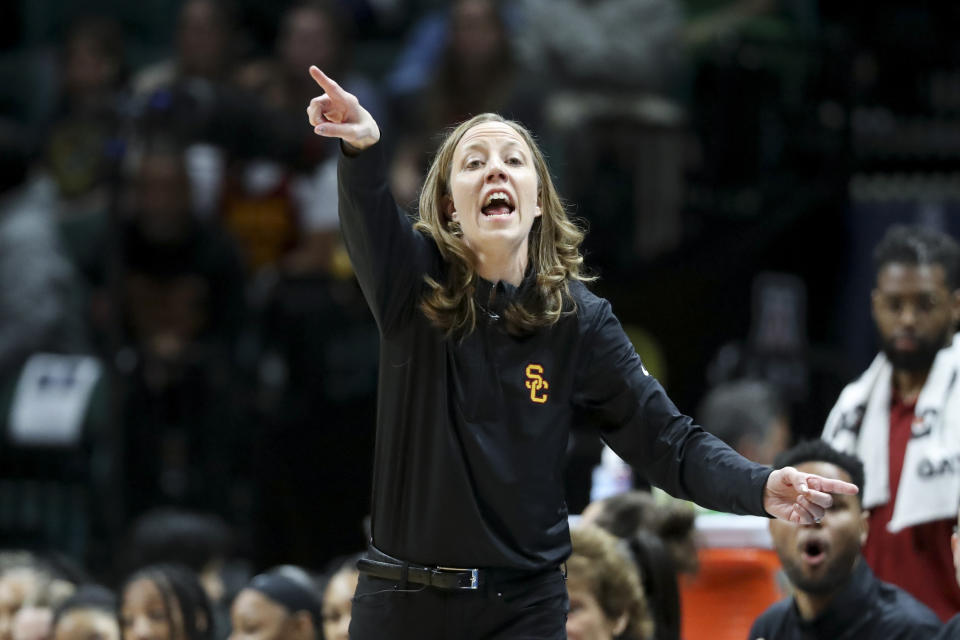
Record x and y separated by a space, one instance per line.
930 480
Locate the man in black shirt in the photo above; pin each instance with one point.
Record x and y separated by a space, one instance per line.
491 349
836 596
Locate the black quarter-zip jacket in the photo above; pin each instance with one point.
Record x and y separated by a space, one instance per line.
471 433
864 608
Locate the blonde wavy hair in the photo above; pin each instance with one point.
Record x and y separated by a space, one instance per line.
608 572
554 248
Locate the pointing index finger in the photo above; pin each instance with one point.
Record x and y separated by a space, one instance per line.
830 485
328 84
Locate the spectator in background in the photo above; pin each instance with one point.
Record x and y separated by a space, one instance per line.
749 416
205 48
606 600
337 604
193 96
29 592
836 595
283 211
628 513
88 115
902 416
183 283
477 71
37 282
310 30
610 64
658 578
169 299
89 614
660 538
164 602
281 604
202 542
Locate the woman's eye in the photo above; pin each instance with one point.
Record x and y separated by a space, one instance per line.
514 161
473 164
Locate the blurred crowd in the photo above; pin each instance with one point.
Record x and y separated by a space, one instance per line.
179 322
176 301
180 581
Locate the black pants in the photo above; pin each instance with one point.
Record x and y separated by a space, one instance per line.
507 607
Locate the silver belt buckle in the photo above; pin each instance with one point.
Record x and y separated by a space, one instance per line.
474 576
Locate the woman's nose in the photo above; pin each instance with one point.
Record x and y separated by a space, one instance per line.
495 170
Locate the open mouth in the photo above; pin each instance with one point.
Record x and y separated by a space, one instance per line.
498 203
813 552
905 343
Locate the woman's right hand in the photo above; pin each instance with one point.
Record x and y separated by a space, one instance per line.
338 114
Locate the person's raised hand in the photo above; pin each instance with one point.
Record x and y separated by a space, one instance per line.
338 114
801 498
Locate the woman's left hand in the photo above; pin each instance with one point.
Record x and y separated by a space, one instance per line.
799 497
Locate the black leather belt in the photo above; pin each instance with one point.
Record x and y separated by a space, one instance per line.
450 578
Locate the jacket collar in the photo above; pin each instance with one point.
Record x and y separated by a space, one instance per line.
496 296
849 604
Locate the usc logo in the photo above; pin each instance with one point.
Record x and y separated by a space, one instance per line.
537 384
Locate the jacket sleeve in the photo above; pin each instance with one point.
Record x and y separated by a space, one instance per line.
640 423
916 622
388 255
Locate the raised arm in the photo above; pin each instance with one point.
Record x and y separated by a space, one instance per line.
389 257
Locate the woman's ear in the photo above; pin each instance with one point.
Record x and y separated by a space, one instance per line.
620 624
448 208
